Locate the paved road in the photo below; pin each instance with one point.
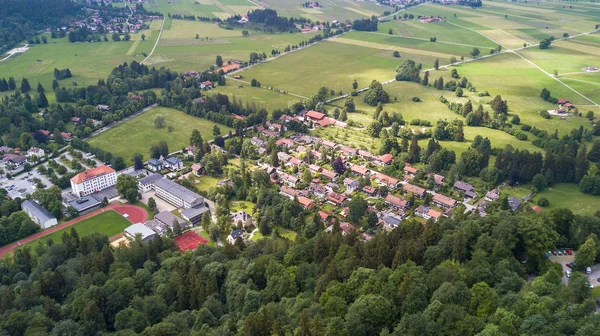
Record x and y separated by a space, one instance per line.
115 206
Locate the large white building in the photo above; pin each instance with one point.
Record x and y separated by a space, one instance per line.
93 180
38 214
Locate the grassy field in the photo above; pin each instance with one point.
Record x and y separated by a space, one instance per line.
262 97
109 223
567 195
332 9
330 64
88 62
137 134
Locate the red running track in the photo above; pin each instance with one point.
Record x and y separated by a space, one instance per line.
135 214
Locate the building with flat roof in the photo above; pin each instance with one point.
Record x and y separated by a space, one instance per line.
93 180
146 234
146 183
194 215
85 204
176 194
38 214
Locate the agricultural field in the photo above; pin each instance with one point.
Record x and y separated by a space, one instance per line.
340 10
88 62
137 134
204 8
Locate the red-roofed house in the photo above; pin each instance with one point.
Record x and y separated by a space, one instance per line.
444 201
306 202
314 115
284 143
384 160
418 191
336 199
396 202
408 169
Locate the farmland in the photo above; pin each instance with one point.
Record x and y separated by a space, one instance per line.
137 134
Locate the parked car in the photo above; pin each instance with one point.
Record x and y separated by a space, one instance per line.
569 265
588 270
568 274
569 252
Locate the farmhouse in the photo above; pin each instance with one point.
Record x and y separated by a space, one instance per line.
229 68
38 214
93 180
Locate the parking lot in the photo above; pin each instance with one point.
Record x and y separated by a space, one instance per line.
565 259
23 184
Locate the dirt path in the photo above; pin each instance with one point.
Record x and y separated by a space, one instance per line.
120 208
155 44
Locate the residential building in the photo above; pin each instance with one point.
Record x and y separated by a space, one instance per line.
348 151
288 192
369 190
384 160
331 175
351 185
37 152
176 194
390 221
295 162
173 163
385 180
314 168
417 191
283 156
38 214
155 165
258 142
318 190
396 202
410 170
514 203
438 179
284 143
234 235
93 180
444 201
288 179
306 202
492 195
329 144
336 199
366 155
332 187
359 170
242 217
146 184
197 169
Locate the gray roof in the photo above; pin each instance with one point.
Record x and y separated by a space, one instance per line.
36 211
173 160
139 228
194 212
391 220
514 202
179 191
84 203
167 218
463 186
150 178
154 162
236 233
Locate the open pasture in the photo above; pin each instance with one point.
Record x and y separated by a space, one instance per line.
442 31
332 64
263 98
136 135
88 62
567 195
520 83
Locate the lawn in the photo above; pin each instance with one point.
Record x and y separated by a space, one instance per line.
567 195
236 206
109 223
289 234
207 182
136 135
263 98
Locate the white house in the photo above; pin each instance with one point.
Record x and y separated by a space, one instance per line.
93 180
173 163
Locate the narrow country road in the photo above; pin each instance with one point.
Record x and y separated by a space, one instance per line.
155 44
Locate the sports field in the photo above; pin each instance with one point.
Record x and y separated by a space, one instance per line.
109 223
136 135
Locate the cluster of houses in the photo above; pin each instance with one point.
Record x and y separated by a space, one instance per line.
171 163
96 21
17 158
329 187
564 107
312 119
67 136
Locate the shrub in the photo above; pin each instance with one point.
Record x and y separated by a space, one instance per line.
521 136
545 114
543 202
525 128
416 99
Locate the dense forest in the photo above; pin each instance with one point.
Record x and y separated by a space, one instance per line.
21 19
462 276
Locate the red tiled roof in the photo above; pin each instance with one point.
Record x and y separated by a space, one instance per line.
444 200
410 169
305 202
395 200
414 189
386 158
228 68
90 173
315 115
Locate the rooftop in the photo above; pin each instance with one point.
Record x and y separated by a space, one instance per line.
36 210
91 173
179 191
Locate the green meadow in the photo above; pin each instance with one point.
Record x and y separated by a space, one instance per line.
138 134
